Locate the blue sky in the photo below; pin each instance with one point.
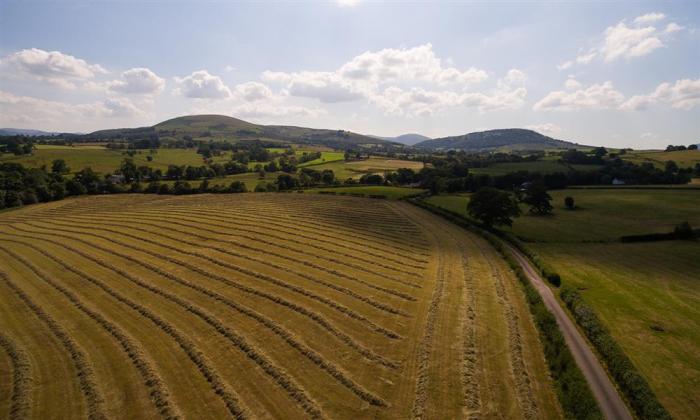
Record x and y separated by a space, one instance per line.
617 74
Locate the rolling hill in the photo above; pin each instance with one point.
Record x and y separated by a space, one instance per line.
221 127
24 132
407 139
511 139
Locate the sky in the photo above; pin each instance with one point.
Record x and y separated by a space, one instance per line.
619 74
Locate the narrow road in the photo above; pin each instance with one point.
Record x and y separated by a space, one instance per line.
609 400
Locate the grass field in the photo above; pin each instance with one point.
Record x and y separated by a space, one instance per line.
684 158
354 169
260 305
647 294
392 193
326 157
105 160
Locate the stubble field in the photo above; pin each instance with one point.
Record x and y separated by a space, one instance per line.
259 305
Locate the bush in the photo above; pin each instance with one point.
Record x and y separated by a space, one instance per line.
569 203
164 189
237 187
554 279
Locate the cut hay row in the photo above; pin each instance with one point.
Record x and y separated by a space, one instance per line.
246 271
380 233
267 251
254 228
179 221
319 227
158 392
315 235
222 389
343 310
219 387
377 211
367 226
470 362
84 372
427 343
315 358
515 344
20 400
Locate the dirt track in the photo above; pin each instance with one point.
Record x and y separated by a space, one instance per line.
611 404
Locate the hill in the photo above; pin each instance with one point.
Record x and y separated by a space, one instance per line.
24 132
407 139
511 139
224 128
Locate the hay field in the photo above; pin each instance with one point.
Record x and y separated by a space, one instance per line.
259 306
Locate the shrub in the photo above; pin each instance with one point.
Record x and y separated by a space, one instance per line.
237 187
554 279
569 203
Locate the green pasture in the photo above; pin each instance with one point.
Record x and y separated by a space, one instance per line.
105 160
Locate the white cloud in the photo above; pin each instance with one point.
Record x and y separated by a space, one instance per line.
673 27
327 87
622 41
265 110
202 85
53 67
253 91
408 64
627 41
572 84
684 94
120 107
348 3
549 129
597 96
405 81
138 81
649 18
417 102
25 110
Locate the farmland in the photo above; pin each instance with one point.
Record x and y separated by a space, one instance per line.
646 294
354 169
104 160
259 305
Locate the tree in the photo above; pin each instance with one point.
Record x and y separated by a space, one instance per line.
538 199
59 166
237 187
569 203
493 207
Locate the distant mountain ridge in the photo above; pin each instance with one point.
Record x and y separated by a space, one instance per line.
407 139
509 138
222 127
25 132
